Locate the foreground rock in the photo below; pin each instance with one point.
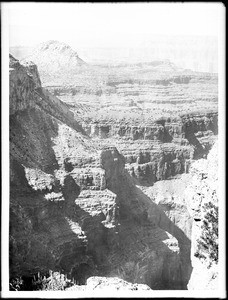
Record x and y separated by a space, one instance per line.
109 284
202 199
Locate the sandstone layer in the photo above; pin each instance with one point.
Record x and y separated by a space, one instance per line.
98 192
73 205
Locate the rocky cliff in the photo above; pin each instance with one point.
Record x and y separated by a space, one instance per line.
163 129
97 193
202 201
73 205
159 116
162 149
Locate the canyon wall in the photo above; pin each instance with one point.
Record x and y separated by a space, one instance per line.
74 206
163 130
160 150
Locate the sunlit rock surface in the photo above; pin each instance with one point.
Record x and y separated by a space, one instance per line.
109 284
202 189
96 195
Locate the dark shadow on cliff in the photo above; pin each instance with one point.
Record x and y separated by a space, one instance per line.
190 129
33 131
32 134
58 247
58 109
31 140
200 151
133 237
59 236
137 207
42 237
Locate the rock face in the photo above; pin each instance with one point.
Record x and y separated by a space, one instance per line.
159 117
22 86
164 130
202 190
162 151
73 205
94 195
106 284
38 196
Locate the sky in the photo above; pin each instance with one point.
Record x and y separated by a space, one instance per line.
108 24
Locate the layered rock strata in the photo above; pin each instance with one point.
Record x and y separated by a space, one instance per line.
163 130
74 207
142 105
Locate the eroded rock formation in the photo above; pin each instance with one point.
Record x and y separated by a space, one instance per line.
73 205
93 198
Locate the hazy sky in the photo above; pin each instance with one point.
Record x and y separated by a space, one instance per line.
108 24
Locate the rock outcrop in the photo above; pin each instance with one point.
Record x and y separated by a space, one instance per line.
106 284
22 86
163 130
202 201
73 205
158 116
38 196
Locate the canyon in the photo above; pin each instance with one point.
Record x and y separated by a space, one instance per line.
101 159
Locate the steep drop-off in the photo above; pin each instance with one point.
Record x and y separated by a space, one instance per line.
160 117
73 205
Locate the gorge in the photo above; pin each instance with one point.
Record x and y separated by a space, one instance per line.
102 165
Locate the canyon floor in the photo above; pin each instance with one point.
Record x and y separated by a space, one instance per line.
103 160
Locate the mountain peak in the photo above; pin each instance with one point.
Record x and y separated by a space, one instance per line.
53 45
54 58
57 51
